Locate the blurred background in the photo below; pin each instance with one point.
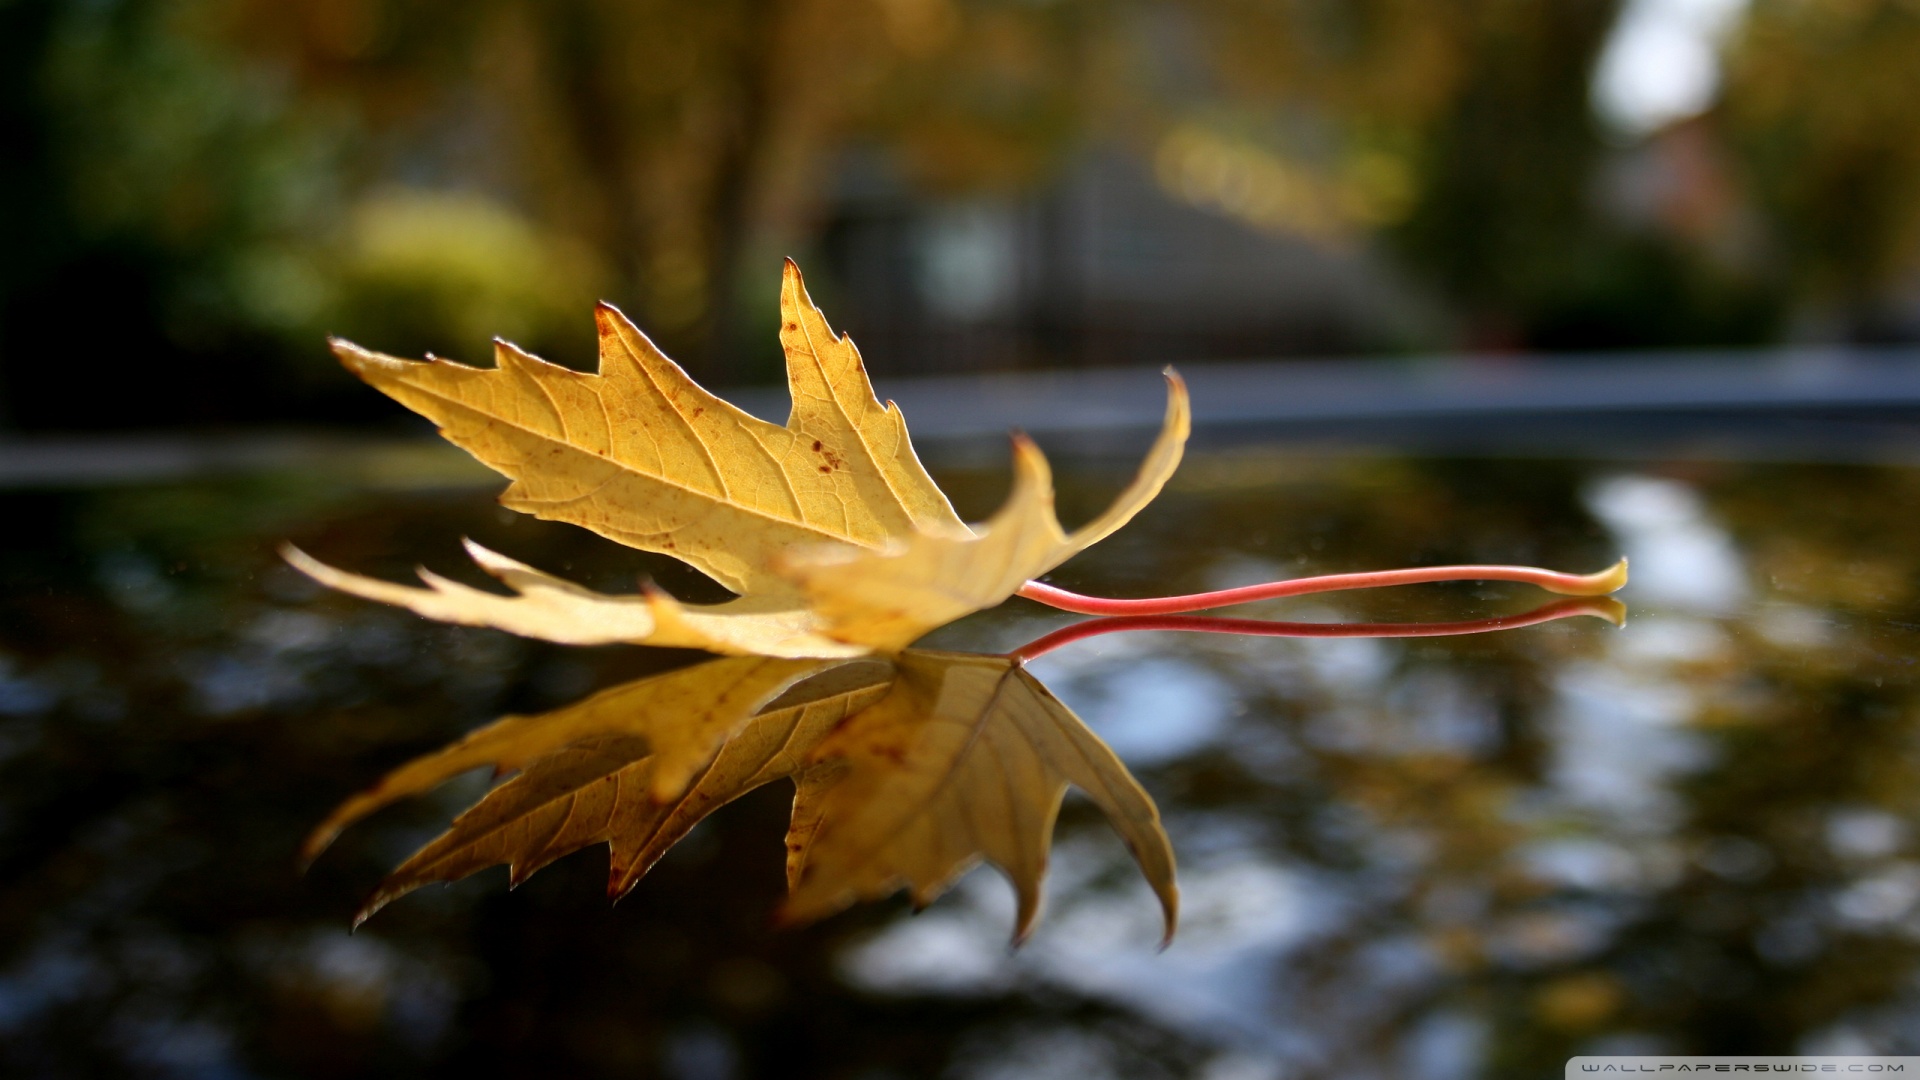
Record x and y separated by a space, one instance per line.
199 190
1452 281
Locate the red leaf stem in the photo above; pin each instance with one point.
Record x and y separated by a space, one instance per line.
1600 584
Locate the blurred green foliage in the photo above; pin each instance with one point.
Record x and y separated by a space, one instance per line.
1820 107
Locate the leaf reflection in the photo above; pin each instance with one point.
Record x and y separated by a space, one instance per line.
908 771
1493 851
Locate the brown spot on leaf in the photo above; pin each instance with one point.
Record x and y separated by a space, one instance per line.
816 446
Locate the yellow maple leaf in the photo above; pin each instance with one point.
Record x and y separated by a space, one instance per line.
887 599
909 767
547 607
829 528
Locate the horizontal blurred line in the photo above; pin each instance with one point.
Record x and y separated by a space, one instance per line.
371 461
1820 404
1285 392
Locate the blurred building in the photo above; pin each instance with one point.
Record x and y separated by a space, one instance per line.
1103 267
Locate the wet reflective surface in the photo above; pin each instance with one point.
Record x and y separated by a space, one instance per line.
1430 858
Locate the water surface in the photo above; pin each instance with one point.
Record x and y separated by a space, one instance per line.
1436 858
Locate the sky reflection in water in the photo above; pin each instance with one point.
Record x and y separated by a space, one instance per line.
1432 858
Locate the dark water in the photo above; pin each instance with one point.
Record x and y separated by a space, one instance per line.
1443 858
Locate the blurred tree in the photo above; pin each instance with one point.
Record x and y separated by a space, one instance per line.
241 176
1461 136
153 180
1819 103
1459 130
546 154
677 139
1505 211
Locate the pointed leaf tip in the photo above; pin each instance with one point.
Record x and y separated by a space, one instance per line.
355 358
381 897
793 290
608 319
